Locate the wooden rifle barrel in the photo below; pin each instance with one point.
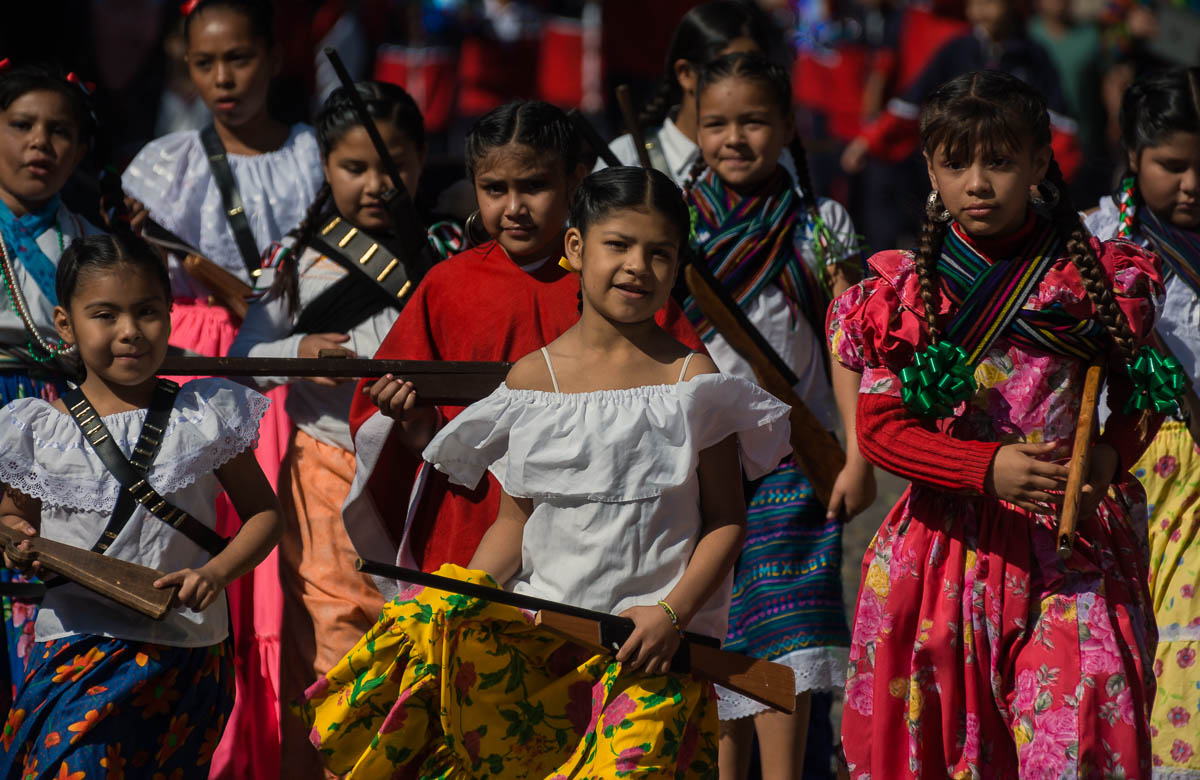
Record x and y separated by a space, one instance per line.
1081 457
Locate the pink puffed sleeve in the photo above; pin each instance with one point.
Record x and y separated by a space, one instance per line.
876 326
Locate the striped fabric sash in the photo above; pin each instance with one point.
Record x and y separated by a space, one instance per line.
1179 249
989 299
750 242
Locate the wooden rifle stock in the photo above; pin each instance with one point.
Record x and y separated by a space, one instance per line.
128 584
764 681
625 101
1081 458
818 453
228 290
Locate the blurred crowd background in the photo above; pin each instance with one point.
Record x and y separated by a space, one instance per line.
853 63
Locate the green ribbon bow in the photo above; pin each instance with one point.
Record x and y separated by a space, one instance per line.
1158 382
939 379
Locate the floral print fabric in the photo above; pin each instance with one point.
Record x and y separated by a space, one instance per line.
96 707
447 686
1170 470
976 651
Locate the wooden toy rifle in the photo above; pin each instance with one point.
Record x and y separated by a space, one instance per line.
129 584
770 683
818 453
625 101
1081 457
438 382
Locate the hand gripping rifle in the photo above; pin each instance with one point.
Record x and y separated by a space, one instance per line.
416 254
818 453
129 584
770 683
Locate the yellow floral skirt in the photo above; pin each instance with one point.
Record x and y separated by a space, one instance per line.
448 686
1170 472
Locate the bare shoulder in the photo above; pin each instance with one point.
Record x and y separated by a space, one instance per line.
700 364
530 373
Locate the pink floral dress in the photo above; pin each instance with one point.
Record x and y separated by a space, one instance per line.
976 651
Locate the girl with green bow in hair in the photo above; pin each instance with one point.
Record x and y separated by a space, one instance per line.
976 649
1158 206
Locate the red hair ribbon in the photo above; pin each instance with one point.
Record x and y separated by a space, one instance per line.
5 64
87 86
186 9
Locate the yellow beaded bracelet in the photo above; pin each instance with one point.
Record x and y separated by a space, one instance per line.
671 614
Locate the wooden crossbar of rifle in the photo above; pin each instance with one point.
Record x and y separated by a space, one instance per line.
1081 457
770 683
128 584
438 382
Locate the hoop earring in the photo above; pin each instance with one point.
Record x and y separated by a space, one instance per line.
1045 195
474 231
935 209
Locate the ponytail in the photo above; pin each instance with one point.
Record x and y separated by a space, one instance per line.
287 275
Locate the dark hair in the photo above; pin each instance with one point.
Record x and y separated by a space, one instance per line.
626 187
990 112
385 102
758 68
103 251
260 14
23 79
1158 104
533 123
699 38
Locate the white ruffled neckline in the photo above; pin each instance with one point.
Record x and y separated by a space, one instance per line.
44 454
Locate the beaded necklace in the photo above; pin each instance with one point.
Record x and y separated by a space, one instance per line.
17 300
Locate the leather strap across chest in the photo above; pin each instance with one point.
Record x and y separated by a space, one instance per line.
235 209
132 473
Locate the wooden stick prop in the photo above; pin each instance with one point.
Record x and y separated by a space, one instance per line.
818 453
438 382
1081 458
228 290
769 683
589 134
625 101
128 584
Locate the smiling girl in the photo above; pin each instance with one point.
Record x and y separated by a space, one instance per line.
1158 206
616 450
977 650
319 299
108 688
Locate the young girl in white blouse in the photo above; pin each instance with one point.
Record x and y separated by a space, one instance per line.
323 297
106 687
617 450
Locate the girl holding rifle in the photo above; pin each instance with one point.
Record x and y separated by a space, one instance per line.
1158 206
977 649
616 449
107 689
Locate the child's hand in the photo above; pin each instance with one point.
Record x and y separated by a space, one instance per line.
1103 470
653 642
1019 476
138 214
394 397
853 490
17 524
311 347
198 588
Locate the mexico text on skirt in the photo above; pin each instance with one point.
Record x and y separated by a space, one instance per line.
98 707
446 686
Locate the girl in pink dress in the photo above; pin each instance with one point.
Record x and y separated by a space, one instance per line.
977 651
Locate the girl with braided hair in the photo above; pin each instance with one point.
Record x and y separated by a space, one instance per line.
1158 206
780 251
317 300
977 650
668 121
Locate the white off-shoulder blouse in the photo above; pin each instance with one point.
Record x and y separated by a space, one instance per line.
613 481
44 455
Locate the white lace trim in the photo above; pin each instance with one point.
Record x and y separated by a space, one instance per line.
817 669
43 453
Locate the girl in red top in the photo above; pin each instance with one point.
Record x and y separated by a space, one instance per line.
976 649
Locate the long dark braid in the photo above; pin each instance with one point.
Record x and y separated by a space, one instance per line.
925 257
287 275
1095 280
811 202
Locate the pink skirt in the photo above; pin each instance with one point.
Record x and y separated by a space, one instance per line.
250 746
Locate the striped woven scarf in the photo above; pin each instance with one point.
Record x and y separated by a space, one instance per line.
750 241
1178 248
989 298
